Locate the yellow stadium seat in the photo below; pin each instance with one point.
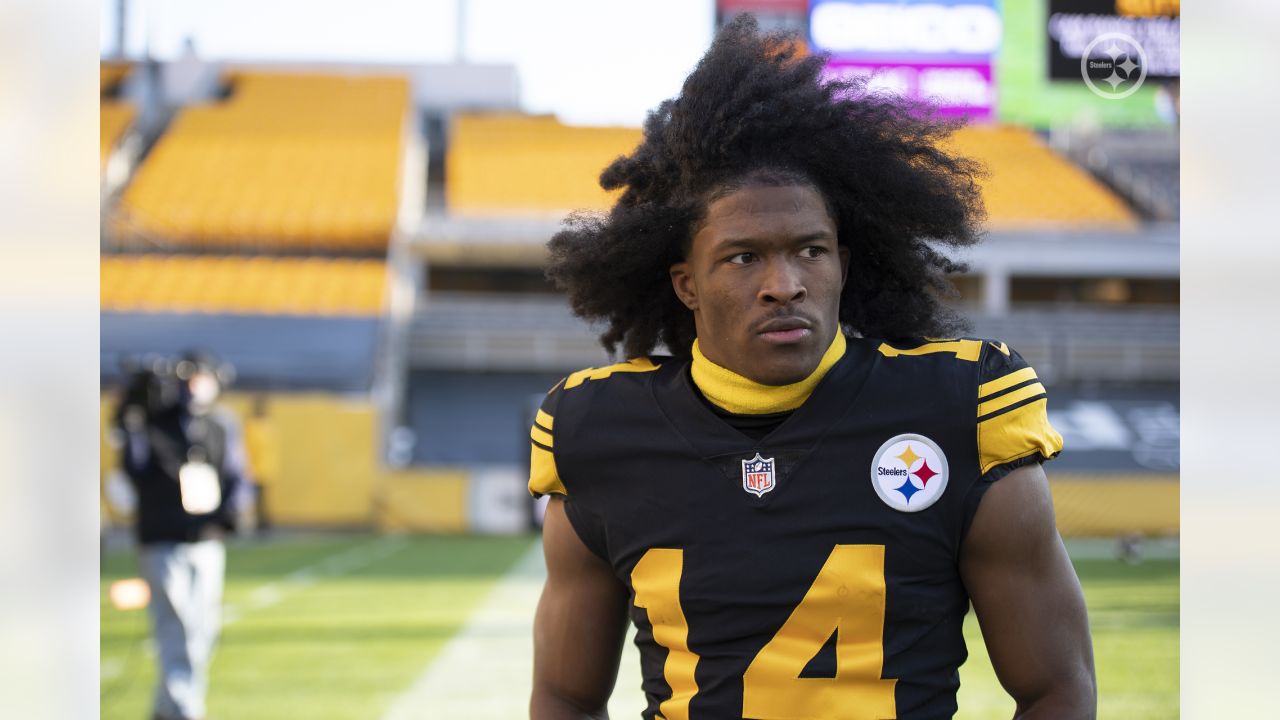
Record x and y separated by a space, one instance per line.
242 285
522 165
111 74
258 170
514 164
1029 185
115 119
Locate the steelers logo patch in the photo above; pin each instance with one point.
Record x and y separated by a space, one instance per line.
909 472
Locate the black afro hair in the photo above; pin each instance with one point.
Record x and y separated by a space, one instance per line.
756 109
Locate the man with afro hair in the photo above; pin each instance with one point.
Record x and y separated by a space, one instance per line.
798 499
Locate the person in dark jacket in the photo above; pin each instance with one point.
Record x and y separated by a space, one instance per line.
185 458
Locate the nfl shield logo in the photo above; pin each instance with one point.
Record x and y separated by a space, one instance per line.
757 475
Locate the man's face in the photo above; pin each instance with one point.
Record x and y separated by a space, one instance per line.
763 277
204 388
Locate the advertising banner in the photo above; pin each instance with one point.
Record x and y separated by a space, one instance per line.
796 7
939 50
956 90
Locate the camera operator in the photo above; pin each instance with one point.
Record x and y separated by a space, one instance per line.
185 458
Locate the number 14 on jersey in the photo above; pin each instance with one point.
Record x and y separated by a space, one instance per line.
847 598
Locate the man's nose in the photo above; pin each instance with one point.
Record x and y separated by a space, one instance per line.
783 283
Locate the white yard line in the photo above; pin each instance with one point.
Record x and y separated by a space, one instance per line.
270 593
485 671
341 563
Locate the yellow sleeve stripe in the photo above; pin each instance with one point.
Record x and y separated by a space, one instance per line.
540 436
1014 378
1017 434
1010 398
544 479
544 420
640 364
969 350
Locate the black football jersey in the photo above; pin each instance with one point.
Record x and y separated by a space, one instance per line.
812 573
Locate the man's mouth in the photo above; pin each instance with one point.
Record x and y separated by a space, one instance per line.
785 330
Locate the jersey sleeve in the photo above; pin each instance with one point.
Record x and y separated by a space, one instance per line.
544 478
544 474
1013 422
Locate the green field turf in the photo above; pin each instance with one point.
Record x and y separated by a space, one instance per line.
329 627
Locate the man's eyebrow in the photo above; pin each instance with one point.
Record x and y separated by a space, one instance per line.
752 242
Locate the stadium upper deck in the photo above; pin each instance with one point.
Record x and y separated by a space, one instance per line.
257 285
295 172
507 165
288 161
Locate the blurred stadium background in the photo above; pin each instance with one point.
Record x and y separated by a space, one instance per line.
350 204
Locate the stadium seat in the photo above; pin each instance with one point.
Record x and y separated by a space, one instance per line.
116 117
111 75
1031 186
243 285
508 164
289 162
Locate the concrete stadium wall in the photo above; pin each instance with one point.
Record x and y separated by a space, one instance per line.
1118 504
316 455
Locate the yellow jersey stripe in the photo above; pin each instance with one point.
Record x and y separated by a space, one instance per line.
544 420
970 350
540 436
1010 398
641 364
1017 434
544 479
1007 381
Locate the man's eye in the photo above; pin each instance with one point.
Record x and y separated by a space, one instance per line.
743 258
813 251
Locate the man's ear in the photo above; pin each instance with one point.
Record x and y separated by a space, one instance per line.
843 252
682 282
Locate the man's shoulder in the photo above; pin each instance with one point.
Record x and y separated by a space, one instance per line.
224 416
604 387
226 420
990 358
580 405
961 351
599 395
598 378
969 369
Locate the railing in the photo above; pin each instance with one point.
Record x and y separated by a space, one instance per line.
458 331
1141 164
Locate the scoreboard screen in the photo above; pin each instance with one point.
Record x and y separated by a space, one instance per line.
1075 25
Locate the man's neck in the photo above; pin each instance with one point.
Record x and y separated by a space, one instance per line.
743 396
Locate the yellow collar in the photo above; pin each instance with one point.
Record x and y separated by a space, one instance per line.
743 396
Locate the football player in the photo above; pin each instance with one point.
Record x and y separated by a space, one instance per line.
797 503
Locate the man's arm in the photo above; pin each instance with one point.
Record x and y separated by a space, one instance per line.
579 629
1028 600
234 477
